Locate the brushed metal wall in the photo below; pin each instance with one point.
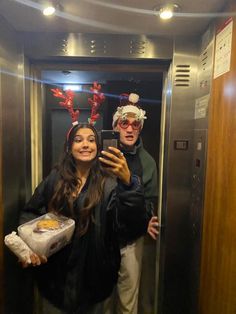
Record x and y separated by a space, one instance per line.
50 46
175 245
200 137
13 156
184 174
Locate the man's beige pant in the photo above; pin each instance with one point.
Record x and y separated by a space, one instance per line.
124 299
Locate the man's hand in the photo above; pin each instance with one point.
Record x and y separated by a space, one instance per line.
153 227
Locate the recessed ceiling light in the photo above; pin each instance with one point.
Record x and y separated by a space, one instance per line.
49 10
166 12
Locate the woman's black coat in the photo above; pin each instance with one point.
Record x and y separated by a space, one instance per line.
86 270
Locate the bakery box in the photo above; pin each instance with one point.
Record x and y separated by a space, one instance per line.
47 234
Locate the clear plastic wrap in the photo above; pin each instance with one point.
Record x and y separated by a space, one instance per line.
18 247
47 234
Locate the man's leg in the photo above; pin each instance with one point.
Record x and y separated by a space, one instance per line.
129 278
147 281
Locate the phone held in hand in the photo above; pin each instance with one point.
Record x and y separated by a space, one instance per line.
110 138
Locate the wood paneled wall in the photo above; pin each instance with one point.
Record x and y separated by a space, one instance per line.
218 265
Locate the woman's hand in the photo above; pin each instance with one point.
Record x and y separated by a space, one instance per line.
116 164
153 227
36 260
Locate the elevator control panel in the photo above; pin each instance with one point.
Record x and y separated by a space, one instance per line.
198 178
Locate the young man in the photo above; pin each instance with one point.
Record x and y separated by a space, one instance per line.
129 120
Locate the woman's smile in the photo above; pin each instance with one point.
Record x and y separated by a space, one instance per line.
84 147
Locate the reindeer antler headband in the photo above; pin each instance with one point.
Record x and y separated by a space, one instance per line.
68 97
94 102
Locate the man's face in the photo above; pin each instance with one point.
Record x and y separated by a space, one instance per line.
129 129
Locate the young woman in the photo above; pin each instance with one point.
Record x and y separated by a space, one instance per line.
85 271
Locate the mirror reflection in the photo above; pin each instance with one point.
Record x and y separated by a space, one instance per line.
103 162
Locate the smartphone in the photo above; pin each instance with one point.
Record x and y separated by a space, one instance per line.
110 138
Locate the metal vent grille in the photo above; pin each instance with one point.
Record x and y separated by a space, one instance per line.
204 60
137 47
182 75
97 46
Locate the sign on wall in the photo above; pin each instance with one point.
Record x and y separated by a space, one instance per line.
201 107
223 48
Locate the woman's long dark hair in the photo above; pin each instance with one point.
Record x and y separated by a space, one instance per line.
67 187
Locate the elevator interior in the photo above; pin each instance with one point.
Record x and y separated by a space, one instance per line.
177 69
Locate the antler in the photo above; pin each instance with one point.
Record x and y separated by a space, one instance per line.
68 97
95 102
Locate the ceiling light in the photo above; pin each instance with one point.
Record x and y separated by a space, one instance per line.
49 7
49 10
166 12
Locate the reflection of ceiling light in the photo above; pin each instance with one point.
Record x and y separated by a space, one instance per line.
73 87
166 12
66 72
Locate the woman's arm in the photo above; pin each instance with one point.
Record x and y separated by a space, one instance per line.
127 201
127 209
35 207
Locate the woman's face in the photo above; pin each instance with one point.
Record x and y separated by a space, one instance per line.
84 146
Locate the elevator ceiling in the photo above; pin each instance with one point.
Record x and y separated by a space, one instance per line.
104 16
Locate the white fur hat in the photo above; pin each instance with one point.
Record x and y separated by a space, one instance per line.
122 112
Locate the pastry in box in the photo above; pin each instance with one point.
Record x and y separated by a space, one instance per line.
47 234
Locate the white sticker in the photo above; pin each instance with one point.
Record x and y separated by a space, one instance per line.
223 49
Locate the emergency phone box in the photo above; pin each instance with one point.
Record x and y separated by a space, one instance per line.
47 234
